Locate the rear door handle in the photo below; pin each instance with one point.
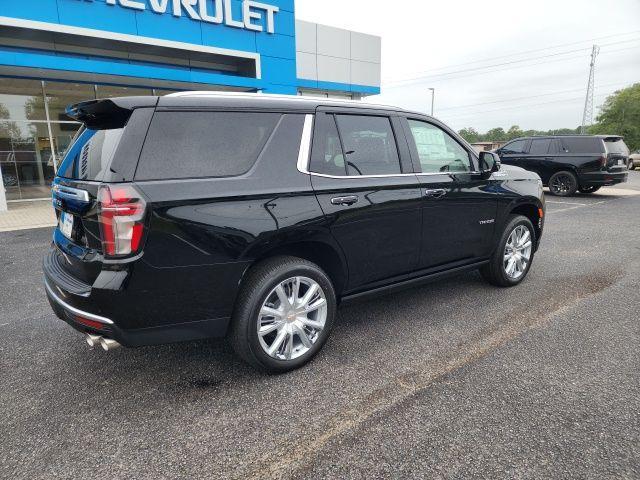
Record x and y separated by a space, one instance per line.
346 200
435 192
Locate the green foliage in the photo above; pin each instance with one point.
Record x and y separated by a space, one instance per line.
620 115
499 135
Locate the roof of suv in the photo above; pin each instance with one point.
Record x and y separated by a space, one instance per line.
568 136
259 100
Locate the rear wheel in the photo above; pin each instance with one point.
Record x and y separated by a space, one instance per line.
589 189
512 258
563 184
284 313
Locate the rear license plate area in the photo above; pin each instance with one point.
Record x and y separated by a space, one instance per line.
65 223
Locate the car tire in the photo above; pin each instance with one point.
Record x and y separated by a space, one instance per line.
270 287
497 272
631 165
563 184
589 189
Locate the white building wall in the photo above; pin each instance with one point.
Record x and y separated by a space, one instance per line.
329 54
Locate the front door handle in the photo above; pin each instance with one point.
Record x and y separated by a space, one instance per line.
346 200
435 192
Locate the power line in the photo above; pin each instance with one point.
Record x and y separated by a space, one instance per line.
527 97
564 59
522 106
484 67
531 51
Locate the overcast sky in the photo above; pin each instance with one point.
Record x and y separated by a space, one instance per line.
421 39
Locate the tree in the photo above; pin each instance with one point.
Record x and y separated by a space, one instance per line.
620 115
470 134
514 132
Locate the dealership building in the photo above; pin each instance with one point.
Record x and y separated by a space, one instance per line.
57 52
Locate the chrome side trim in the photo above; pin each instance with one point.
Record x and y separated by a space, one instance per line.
76 311
71 193
305 144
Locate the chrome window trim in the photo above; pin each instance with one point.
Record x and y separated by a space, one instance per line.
76 311
304 154
304 157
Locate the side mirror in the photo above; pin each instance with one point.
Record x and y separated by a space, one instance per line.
489 162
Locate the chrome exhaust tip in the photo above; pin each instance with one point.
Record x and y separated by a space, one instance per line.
93 340
108 344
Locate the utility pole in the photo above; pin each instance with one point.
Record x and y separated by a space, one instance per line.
433 98
587 116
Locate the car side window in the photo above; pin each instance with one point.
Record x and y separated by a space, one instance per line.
369 145
514 147
539 146
437 150
327 157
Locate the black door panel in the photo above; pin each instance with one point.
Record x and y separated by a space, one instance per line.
380 231
459 223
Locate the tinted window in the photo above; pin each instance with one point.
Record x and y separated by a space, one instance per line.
203 144
581 145
514 147
369 144
90 155
437 150
616 146
539 146
327 156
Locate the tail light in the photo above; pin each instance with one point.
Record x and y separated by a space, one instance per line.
603 161
121 212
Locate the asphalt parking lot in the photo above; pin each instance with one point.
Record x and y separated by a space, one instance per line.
455 379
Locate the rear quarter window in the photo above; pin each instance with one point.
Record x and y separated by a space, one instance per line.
582 145
203 144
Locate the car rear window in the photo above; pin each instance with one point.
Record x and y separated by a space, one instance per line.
203 144
582 145
89 156
616 146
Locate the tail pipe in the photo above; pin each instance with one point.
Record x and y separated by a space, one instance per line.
107 344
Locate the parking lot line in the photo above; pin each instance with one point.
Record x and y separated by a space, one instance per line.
565 203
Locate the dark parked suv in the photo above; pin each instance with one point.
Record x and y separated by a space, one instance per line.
253 216
568 164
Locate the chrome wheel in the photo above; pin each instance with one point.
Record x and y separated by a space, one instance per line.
291 318
517 252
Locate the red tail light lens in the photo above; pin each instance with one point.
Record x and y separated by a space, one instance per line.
121 211
603 161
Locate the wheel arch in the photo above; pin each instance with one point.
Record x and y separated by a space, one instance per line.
328 257
531 210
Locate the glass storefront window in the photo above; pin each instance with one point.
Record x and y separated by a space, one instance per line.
107 91
25 159
21 100
62 94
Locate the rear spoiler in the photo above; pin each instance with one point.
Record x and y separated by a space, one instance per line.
108 113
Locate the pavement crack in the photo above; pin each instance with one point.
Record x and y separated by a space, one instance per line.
292 459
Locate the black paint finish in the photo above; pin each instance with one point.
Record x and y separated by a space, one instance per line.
203 234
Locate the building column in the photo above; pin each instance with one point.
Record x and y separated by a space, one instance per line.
3 197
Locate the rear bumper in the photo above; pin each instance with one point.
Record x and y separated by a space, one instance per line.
601 179
82 307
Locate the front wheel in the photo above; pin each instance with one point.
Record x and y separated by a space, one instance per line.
563 184
589 189
284 313
512 258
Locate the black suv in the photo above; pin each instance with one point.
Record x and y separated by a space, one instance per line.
253 216
568 164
